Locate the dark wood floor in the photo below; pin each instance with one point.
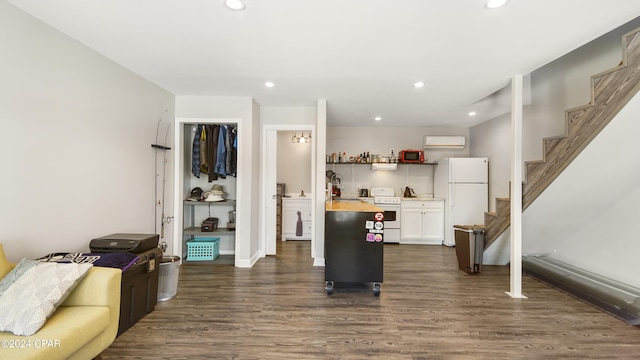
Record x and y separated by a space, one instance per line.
428 309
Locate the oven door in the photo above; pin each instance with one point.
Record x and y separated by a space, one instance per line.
390 218
391 223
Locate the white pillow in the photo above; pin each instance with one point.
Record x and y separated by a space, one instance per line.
23 266
27 304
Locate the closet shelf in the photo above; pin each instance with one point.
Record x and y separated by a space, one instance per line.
221 203
197 232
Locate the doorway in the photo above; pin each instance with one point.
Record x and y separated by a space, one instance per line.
183 183
300 172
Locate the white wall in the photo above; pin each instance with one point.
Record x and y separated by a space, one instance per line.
282 115
379 140
75 143
492 139
294 164
246 113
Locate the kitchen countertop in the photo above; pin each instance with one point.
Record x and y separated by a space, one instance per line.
353 197
370 198
422 199
351 205
297 196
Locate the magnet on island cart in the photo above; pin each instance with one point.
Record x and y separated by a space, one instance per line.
371 237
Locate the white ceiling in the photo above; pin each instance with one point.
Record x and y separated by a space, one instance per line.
363 56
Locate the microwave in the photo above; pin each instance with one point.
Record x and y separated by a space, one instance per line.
411 156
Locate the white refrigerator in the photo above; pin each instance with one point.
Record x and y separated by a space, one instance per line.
463 183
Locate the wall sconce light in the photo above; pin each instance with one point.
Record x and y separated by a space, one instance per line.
301 139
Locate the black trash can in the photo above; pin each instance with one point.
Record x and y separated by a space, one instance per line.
469 247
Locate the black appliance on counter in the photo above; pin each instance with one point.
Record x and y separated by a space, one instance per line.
139 286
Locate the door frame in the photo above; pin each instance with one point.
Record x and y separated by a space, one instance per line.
266 194
179 190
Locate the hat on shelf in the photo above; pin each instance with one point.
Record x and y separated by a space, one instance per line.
213 197
196 194
215 194
217 190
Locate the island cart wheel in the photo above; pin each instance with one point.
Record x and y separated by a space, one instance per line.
328 285
376 289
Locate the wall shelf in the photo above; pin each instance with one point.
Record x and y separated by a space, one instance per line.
219 203
369 164
195 231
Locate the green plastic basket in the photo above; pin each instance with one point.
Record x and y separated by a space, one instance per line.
199 250
205 238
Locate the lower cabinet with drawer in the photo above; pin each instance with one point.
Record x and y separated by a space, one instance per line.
296 218
422 222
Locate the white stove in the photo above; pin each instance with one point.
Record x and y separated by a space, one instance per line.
384 198
391 200
382 192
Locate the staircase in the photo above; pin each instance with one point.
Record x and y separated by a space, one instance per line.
610 92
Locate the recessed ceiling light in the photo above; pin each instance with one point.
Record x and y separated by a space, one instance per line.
377 118
472 113
494 4
418 84
234 4
269 84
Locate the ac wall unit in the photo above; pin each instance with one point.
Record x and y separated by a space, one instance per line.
444 142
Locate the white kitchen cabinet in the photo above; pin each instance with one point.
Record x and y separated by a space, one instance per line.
296 218
422 222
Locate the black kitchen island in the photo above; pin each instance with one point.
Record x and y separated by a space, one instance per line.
353 243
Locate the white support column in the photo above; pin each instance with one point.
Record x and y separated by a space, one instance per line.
516 188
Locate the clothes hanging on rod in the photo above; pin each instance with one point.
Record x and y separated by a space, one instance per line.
215 149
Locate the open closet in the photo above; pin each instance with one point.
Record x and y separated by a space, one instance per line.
209 179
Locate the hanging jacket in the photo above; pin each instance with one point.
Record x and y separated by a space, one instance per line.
195 152
232 153
221 161
204 163
212 150
227 146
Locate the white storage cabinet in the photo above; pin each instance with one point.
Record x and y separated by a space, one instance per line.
290 218
422 222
